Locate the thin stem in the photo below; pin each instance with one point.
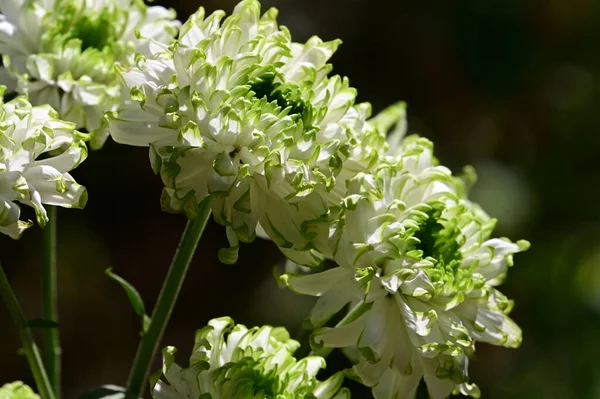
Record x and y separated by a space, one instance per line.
352 315
52 349
166 302
30 349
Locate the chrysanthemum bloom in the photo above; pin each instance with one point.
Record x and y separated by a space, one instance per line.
17 390
418 259
237 111
37 151
63 52
232 361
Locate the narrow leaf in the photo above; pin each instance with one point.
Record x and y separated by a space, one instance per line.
105 392
134 298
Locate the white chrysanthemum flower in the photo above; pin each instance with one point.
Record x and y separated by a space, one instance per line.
63 52
37 151
237 111
420 258
232 361
17 390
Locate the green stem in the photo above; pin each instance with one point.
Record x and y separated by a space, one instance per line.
52 348
30 349
166 302
352 315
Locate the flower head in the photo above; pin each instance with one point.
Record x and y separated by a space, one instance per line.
418 257
63 52
236 110
17 390
232 361
37 150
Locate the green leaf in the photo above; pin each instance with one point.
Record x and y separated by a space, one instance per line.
105 392
134 298
41 323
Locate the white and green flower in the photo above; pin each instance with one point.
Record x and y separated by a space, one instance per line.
63 52
235 110
418 259
17 390
37 150
232 361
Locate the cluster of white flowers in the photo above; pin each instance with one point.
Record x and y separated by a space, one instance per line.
37 151
63 52
232 361
235 111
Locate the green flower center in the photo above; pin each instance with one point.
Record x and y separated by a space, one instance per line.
258 381
266 86
264 385
438 241
441 240
96 33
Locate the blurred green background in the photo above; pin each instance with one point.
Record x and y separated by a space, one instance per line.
508 86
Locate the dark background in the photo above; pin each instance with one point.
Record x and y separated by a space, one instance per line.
509 86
